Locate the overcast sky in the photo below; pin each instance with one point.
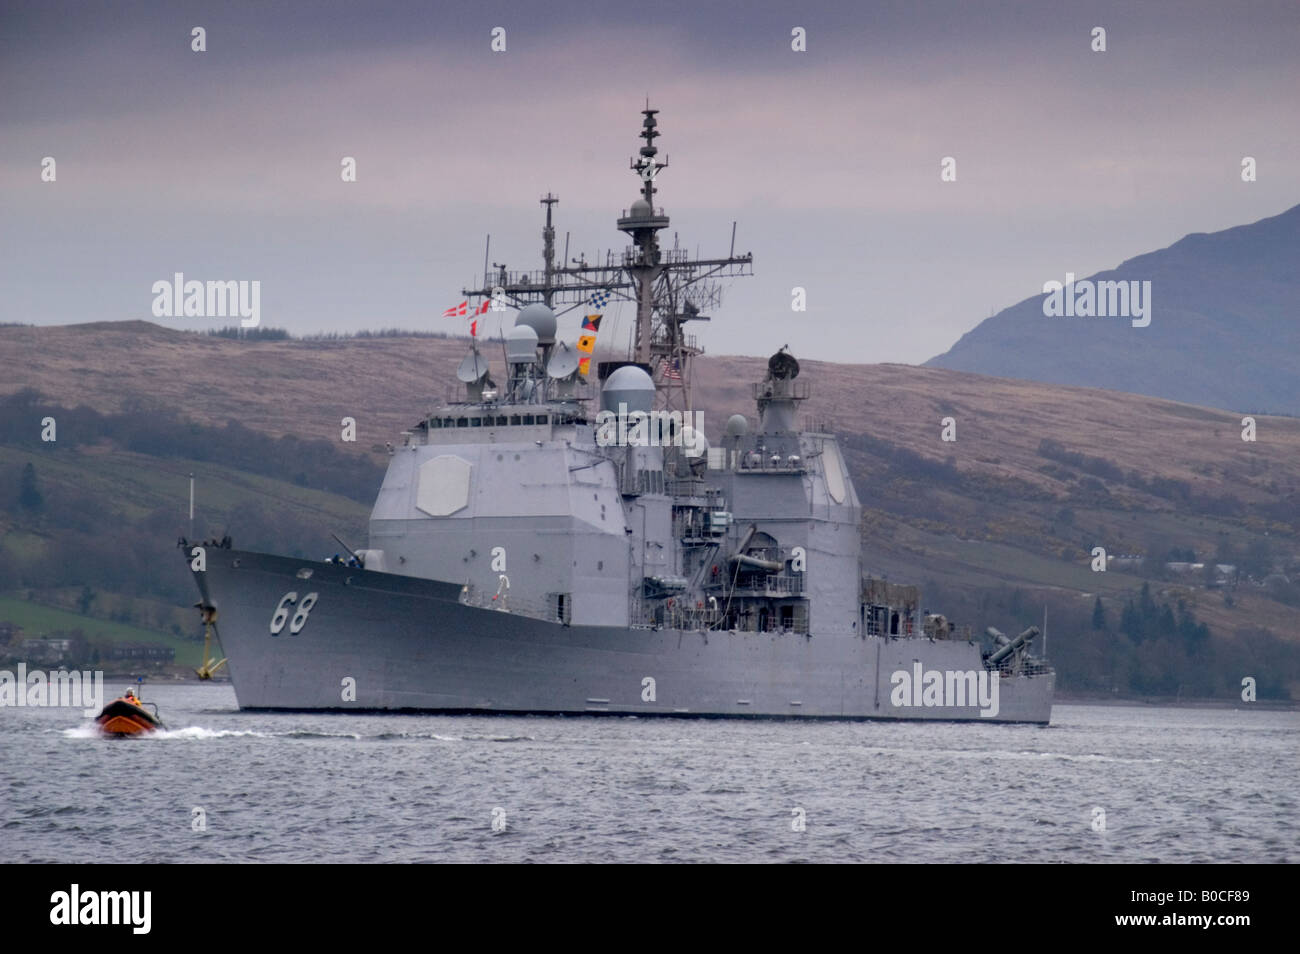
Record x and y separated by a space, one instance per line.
225 164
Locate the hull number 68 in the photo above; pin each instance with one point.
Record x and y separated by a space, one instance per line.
298 619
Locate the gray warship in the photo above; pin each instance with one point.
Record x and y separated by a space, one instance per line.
569 541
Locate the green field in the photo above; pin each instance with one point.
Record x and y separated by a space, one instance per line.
38 620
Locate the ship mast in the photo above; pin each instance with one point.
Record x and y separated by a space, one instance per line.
668 286
642 224
548 250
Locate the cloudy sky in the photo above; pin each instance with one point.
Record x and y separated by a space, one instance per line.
225 164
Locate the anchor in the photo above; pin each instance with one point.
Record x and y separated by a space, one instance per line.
209 666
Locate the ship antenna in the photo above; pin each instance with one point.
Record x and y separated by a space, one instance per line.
548 249
643 223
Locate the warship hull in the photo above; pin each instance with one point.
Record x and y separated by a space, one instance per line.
381 641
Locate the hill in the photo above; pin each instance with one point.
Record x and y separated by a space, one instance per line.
1224 326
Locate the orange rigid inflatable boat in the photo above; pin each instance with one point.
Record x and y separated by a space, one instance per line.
128 716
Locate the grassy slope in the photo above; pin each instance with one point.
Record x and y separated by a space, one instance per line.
138 484
37 620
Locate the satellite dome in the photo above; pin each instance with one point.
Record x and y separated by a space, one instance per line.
541 319
629 385
521 344
737 425
695 444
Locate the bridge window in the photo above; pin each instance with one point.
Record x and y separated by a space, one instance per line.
462 422
501 420
528 418
475 422
514 419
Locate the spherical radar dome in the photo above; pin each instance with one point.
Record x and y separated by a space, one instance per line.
737 425
631 386
521 344
694 442
541 319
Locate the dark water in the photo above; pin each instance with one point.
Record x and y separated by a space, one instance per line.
1176 785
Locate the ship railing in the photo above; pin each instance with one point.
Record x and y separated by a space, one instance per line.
774 625
762 463
784 584
904 632
781 390
694 487
693 618
505 603
664 346
950 632
1024 667
776 584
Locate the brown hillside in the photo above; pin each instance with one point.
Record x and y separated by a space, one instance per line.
306 387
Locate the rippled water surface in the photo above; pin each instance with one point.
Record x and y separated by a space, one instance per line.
1175 785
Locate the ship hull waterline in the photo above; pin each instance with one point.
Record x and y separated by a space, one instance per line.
373 641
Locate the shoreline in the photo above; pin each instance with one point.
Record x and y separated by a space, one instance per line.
1173 702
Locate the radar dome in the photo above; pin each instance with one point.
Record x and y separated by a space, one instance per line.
629 385
541 319
640 209
521 345
737 425
694 443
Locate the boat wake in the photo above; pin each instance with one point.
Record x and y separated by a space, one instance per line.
91 731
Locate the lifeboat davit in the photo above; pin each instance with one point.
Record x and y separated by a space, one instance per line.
128 716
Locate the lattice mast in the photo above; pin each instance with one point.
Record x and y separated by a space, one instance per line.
669 288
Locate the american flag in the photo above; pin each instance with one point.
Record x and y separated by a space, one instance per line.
600 299
672 370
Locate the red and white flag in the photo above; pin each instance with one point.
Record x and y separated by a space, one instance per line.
462 310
